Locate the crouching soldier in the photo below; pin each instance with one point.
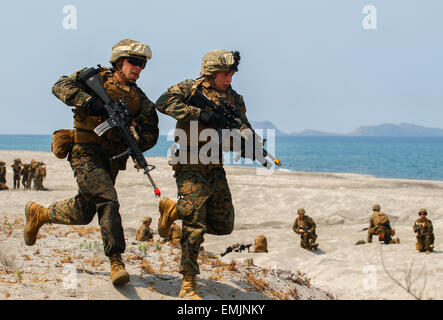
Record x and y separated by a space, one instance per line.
379 225
425 232
145 233
305 227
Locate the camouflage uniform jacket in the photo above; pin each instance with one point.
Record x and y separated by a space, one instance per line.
74 93
306 222
174 102
144 233
3 174
425 227
378 220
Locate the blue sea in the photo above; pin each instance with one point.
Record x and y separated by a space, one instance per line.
386 157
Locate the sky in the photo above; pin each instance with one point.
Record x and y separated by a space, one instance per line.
306 64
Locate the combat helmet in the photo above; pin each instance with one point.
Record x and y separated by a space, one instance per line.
219 60
147 219
422 210
128 48
376 207
301 210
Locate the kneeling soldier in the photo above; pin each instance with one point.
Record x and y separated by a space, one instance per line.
305 227
425 232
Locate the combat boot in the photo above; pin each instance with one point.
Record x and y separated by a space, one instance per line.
168 214
119 275
189 287
36 216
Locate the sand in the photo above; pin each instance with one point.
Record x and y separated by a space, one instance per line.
340 204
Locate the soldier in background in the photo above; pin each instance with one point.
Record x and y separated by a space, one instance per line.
25 174
145 233
379 225
425 232
3 185
305 227
31 169
39 174
17 170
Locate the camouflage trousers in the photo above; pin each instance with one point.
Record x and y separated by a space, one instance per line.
204 206
384 234
307 240
425 242
16 178
95 177
3 186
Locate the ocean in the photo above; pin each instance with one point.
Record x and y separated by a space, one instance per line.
385 157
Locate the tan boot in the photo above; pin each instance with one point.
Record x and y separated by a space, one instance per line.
36 216
119 275
189 287
168 214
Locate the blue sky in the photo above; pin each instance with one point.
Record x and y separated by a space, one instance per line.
305 64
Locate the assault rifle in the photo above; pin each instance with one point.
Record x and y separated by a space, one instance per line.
118 116
232 116
417 230
238 247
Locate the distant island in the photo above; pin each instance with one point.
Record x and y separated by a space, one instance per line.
381 130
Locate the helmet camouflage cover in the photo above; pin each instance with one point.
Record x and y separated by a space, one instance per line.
301 210
376 207
219 60
422 210
147 219
130 48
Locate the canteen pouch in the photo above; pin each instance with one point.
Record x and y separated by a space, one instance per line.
62 141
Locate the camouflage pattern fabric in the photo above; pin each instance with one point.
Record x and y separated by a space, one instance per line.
90 162
16 169
307 239
95 176
25 173
3 185
379 225
144 233
205 206
145 120
174 103
425 242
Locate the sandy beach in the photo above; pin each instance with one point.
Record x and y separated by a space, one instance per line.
340 204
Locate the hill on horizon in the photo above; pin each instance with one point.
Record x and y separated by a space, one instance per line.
381 130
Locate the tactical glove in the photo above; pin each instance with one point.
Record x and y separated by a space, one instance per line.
211 118
96 107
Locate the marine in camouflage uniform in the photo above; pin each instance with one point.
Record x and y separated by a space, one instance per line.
379 225
305 227
3 185
25 173
17 170
204 200
425 232
90 154
39 174
31 169
145 233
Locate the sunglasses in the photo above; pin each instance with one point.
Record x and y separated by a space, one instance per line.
137 62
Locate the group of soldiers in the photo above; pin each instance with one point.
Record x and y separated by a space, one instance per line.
379 225
204 202
35 171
